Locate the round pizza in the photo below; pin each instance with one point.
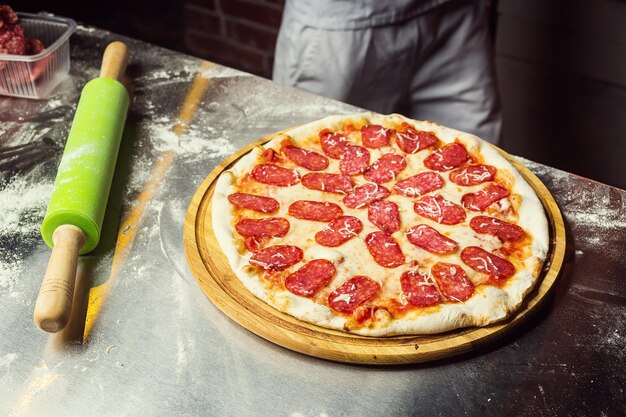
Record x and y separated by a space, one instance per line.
381 225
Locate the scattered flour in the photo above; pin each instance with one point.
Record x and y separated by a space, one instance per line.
54 103
9 271
155 75
79 152
613 342
597 218
188 144
589 208
218 71
202 141
7 359
190 69
609 209
184 72
22 207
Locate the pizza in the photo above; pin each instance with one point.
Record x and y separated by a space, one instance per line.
380 225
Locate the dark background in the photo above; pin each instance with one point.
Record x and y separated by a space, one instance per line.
156 21
561 64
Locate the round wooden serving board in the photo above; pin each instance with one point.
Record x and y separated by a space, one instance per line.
210 267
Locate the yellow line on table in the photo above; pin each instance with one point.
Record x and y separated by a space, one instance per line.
131 223
41 378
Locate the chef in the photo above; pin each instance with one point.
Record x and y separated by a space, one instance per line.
427 59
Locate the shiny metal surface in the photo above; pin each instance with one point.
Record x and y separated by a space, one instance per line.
153 345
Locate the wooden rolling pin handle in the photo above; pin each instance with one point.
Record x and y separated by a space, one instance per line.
54 302
114 61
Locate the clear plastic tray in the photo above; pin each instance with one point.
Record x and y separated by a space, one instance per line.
34 76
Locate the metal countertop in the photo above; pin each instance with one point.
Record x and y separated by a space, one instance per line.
154 345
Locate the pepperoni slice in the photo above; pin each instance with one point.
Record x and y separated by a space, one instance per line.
332 183
253 243
305 158
339 231
267 227
439 209
384 215
484 198
419 184
307 280
254 202
430 239
473 174
496 227
410 140
276 258
375 136
270 155
364 195
320 211
275 175
419 289
384 249
444 159
385 168
452 281
353 293
354 160
332 143
482 261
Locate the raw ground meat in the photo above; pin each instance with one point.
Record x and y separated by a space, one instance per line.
12 39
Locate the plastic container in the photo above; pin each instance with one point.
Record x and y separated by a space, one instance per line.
34 76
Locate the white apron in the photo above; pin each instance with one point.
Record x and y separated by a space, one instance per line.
430 60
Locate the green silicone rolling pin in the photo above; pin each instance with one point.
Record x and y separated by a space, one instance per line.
76 209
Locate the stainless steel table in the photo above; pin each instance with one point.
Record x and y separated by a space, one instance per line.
153 345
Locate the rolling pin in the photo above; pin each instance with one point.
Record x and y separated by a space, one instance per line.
76 209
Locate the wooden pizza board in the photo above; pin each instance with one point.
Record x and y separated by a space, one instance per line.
212 271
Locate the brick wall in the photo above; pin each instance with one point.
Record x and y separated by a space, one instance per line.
237 33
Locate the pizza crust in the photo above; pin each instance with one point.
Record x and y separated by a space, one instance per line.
488 304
